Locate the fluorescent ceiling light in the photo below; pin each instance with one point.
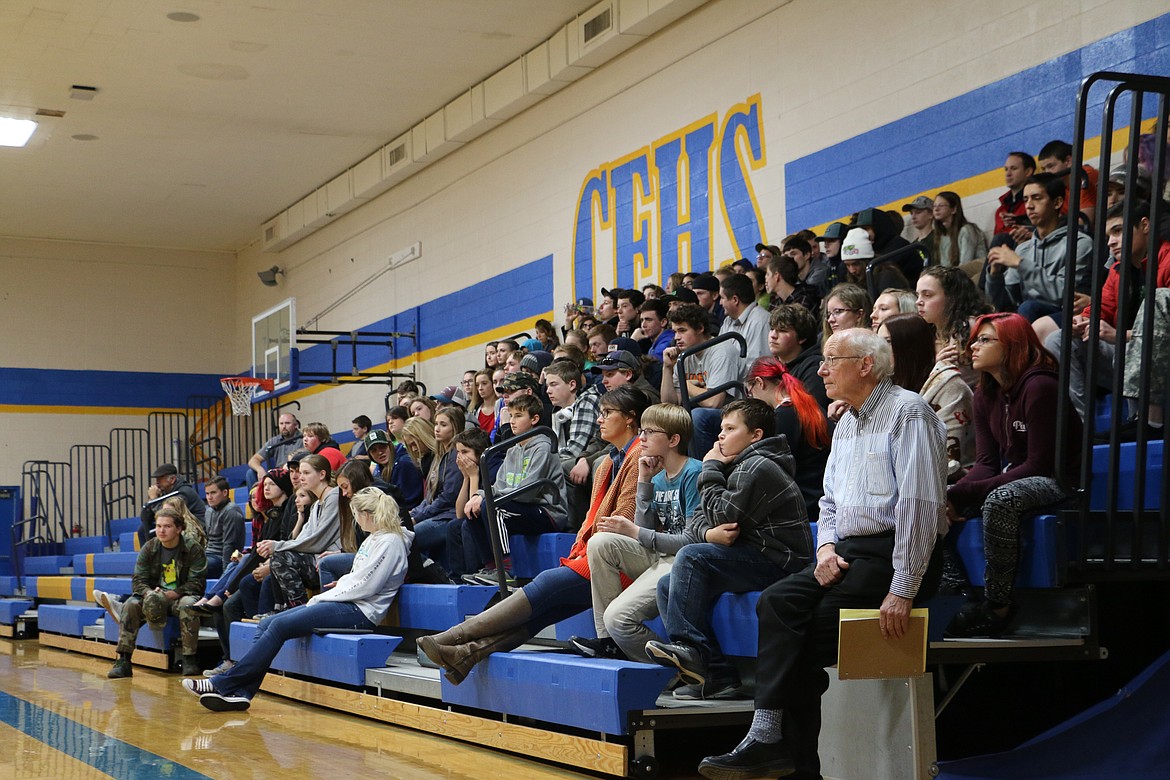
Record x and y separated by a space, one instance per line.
16 132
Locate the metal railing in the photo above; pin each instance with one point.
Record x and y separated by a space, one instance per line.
684 393
490 500
1118 542
90 467
41 527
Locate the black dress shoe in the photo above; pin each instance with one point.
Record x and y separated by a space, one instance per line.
750 759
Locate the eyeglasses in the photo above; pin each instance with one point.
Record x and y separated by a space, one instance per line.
982 341
833 314
831 360
605 413
645 433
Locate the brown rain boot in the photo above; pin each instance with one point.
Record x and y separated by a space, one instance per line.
450 648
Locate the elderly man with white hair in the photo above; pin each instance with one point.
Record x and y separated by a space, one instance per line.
882 513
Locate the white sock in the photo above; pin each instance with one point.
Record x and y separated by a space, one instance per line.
766 726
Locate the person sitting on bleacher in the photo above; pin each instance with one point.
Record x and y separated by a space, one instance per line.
169 575
1157 371
622 367
1015 459
270 500
294 561
1041 261
799 419
360 600
1107 326
393 465
276 450
710 368
642 549
881 516
166 480
441 487
575 423
792 339
543 511
317 440
751 530
224 524
555 594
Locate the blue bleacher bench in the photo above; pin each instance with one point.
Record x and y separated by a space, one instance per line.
438 607
119 586
340 658
79 545
580 624
128 541
150 638
8 585
11 609
119 563
1125 477
587 693
532 554
67 620
46 564
1043 551
124 524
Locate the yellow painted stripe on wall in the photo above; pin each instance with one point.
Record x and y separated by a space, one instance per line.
119 410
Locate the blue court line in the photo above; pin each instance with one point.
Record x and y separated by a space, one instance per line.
104 753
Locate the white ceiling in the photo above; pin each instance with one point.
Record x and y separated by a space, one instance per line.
205 129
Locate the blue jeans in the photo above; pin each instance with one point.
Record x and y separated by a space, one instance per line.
214 567
333 567
707 423
245 677
556 594
430 539
463 556
1032 310
701 573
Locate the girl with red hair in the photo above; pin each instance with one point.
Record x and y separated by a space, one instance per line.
1015 458
800 419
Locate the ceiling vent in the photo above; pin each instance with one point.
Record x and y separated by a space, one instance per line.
396 155
50 112
597 25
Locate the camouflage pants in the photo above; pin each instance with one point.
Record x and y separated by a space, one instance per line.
1159 366
154 608
294 573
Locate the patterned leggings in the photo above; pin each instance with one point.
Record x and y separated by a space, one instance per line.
1002 511
294 573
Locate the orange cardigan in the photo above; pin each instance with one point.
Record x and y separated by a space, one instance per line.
609 497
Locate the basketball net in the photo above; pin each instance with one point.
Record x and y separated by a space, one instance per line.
242 389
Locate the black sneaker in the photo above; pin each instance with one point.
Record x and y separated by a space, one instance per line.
603 647
979 620
689 662
217 702
492 579
198 686
191 667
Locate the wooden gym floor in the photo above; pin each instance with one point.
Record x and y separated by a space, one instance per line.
61 718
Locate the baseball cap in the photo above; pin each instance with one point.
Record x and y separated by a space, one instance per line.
376 437
921 203
744 263
772 248
517 380
627 344
449 394
616 361
834 232
682 294
584 301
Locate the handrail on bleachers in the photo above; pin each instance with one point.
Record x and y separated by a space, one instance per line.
1115 540
489 499
108 502
684 394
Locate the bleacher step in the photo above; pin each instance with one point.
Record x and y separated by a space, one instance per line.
404 674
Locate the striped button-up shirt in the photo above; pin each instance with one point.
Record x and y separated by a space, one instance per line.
887 472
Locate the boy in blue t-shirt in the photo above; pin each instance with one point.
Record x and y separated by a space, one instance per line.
642 549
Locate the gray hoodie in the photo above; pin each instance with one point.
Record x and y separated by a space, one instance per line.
1043 266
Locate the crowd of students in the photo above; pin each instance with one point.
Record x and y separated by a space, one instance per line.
690 464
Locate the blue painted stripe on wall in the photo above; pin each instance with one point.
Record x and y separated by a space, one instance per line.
89 746
524 292
967 135
63 387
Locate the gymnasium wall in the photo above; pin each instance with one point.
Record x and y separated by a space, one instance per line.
744 120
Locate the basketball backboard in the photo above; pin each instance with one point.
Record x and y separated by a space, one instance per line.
274 341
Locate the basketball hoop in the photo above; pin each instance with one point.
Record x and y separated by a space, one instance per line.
242 389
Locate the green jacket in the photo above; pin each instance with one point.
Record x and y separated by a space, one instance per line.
190 562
